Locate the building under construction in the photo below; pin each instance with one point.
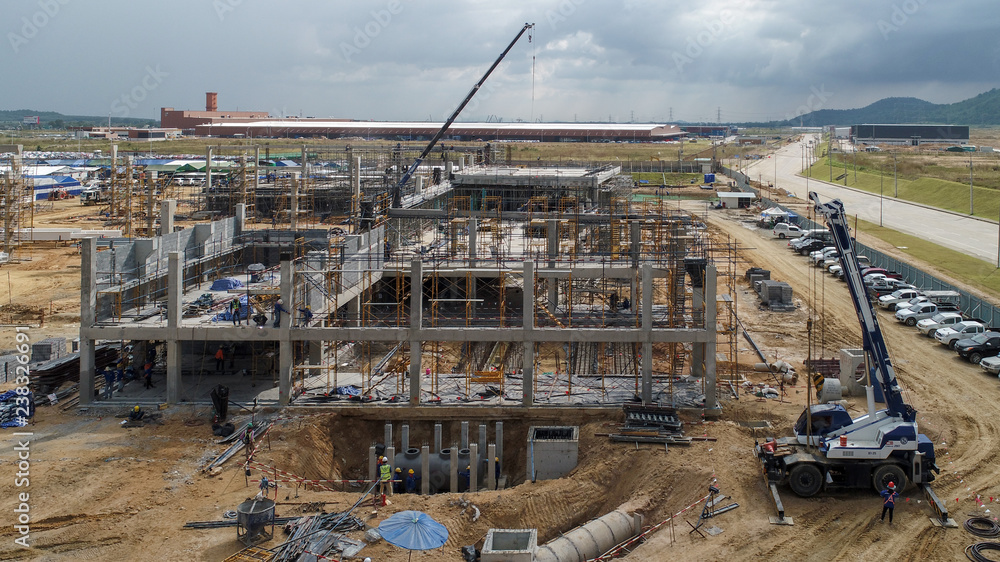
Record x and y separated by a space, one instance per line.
507 286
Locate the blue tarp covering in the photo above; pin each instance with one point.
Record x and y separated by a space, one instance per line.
226 283
413 530
348 391
227 315
286 163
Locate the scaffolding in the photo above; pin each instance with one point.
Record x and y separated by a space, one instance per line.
17 199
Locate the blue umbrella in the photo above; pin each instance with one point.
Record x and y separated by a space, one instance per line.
413 530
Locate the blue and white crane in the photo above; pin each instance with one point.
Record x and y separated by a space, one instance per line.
832 450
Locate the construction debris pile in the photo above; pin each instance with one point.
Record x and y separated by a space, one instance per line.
320 535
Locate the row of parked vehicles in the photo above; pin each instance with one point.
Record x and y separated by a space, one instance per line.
935 314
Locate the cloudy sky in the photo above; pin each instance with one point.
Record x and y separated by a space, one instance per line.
416 59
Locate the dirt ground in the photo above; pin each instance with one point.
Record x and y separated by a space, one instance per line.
101 492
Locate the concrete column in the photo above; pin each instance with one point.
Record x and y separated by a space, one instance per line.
698 348
293 207
553 250
461 163
453 477
354 311
465 435
635 242
425 470
175 288
473 241
449 168
88 316
241 218
647 326
416 321
404 438
491 467
472 292
711 400
420 186
168 208
208 167
473 467
256 171
437 438
372 463
387 440
528 365
285 358
390 457
499 444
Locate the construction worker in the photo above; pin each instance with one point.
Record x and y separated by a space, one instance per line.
264 485
220 360
397 481
889 496
136 414
385 477
278 309
496 471
109 382
465 477
411 482
307 315
147 375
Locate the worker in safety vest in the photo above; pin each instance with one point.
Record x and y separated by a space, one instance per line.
385 477
889 496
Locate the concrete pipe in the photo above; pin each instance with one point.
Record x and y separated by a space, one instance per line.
590 540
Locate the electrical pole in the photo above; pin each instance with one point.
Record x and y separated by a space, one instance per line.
970 184
895 178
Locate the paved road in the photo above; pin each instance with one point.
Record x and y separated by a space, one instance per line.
974 237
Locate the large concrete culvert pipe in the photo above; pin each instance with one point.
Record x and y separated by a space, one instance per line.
591 540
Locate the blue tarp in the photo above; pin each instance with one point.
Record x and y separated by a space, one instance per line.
226 283
286 163
348 391
227 315
413 530
11 412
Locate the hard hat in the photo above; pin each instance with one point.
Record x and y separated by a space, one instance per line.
400 469
891 486
307 307
410 471
281 301
469 467
135 409
497 459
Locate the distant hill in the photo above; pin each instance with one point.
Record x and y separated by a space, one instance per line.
10 119
983 109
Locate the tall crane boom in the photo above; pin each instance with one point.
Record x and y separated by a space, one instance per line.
397 192
871 335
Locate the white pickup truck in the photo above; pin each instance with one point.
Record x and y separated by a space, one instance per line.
949 335
928 326
889 301
915 313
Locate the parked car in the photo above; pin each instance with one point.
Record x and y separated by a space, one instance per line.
907 304
986 344
917 312
991 365
866 271
834 268
784 230
948 336
889 301
821 255
929 326
811 246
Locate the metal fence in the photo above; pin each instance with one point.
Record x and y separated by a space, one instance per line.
971 305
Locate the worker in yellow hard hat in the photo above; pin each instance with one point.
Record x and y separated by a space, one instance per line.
411 482
397 481
136 414
496 471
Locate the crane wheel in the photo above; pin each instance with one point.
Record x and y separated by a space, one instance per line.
805 479
889 473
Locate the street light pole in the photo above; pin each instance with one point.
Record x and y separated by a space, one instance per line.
880 196
970 184
895 178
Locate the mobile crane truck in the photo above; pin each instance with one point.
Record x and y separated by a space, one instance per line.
830 450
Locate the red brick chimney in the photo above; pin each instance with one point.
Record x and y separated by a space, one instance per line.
211 101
